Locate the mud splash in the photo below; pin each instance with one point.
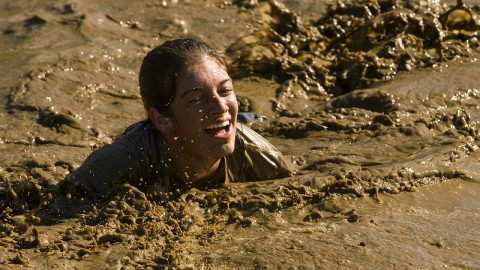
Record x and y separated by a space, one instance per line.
367 115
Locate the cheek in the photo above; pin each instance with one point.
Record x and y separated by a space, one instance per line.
188 122
191 115
233 104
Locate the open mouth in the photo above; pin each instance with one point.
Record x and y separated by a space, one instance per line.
218 129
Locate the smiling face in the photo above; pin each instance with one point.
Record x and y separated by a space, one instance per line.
204 112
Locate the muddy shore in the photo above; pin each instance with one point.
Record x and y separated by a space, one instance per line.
375 104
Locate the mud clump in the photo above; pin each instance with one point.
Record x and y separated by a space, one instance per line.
147 230
353 45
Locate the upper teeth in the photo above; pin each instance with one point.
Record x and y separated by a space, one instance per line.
219 125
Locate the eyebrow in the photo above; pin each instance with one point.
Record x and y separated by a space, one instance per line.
201 88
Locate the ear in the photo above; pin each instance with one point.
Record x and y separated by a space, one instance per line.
160 121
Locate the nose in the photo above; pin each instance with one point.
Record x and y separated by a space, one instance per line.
218 104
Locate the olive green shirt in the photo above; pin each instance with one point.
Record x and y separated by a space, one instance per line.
138 158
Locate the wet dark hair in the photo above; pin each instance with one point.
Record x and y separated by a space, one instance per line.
162 66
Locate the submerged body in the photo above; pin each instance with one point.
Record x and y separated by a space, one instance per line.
139 158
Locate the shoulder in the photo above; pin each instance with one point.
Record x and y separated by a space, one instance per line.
251 137
255 158
129 158
138 130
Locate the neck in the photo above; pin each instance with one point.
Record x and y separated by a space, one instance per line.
188 168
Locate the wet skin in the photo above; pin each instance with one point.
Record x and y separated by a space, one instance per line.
201 129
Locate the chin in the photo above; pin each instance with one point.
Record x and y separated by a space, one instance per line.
227 149
230 150
222 147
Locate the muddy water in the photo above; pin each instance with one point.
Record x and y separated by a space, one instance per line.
381 125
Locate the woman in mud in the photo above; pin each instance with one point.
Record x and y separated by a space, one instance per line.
191 136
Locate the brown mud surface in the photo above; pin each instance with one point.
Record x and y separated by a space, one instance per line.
375 102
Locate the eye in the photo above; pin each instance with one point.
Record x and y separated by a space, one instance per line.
195 99
225 92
